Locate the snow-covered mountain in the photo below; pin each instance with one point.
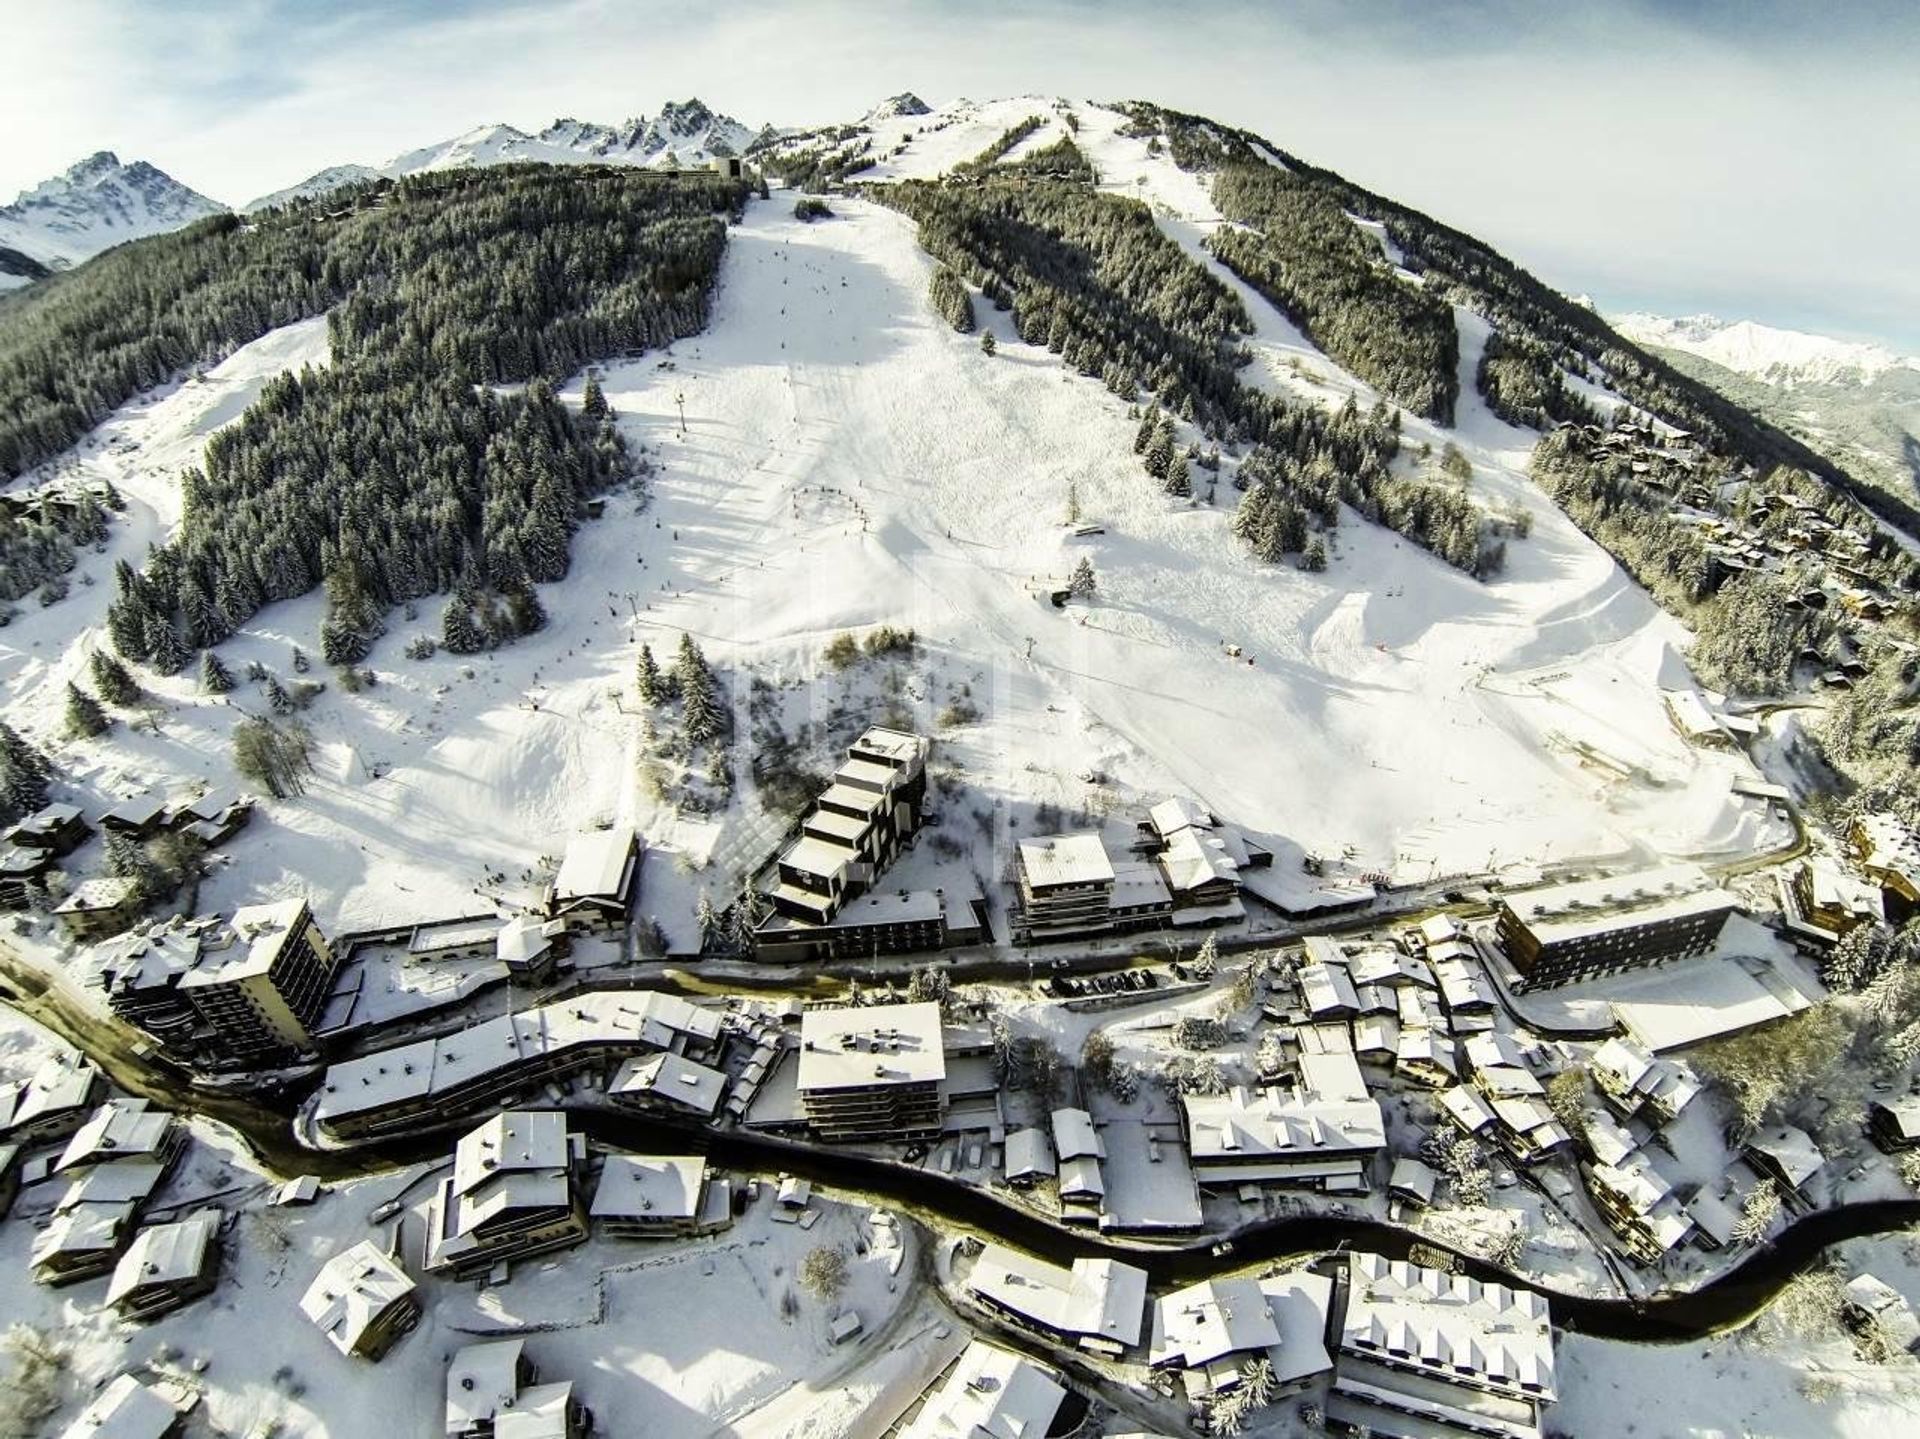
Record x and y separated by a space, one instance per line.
331 178
97 204
896 106
1772 356
683 133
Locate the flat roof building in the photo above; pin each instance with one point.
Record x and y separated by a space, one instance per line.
876 1073
1565 933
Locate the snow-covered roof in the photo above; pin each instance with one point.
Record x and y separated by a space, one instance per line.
1331 1077
822 857
1272 1124
1028 1153
1074 1135
671 1077
259 933
539 1412
880 1044
96 896
1327 989
165 1254
598 865
1467 1109
1065 859
1178 813
1608 1138
1792 1152
1399 1310
1197 857
600 1019
991 1394
125 1409
482 1380
1413 1178
1080 1178
122 1128
1212 1319
352 1292
1100 1298
516 1161
651 1187
1562 912
1298 1301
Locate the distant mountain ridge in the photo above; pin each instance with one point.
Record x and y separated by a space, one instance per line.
684 133
1856 403
1768 354
98 203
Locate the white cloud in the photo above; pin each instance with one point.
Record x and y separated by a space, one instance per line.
1618 153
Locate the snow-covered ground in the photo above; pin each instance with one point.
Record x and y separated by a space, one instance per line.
848 460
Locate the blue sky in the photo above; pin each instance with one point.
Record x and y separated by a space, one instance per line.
1756 158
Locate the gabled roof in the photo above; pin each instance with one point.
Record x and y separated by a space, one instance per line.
1215 1318
352 1292
1100 1298
165 1254
597 866
125 1409
991 1394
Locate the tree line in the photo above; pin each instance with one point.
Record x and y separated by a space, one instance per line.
400 470
1322 272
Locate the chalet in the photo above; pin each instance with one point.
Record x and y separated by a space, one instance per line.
1211 1331
100 907
531 948
139 817
127 1409
1412 1182
1894 1124
494 1392
513 1193
598 882
123 1131
989 1391
1889 854
56 829
660 1197
1822 902
1097 1303
1789 1157
167 1266
54 1101
214 817
1424 1352
363 1301
1201 860
1632 1080
877 1073
1640 1205
23 874
1875 1306
1029 1158
81 1242
668 1083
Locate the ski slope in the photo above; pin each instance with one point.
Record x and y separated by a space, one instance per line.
847 460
